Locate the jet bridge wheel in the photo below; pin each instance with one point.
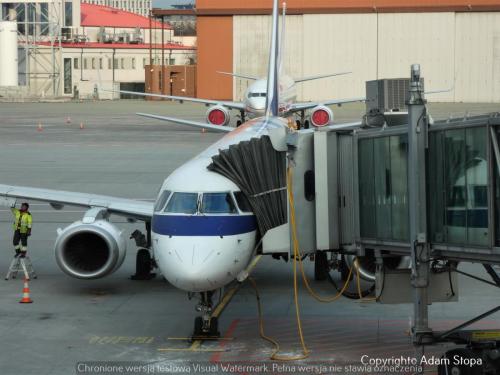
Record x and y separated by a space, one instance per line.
321 266
143 266
460 363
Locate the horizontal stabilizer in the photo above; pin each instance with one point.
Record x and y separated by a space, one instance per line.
244 76
319 76
232 105
438 91
195 124
308 105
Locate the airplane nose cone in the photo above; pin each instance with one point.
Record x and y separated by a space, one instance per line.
201 264
257 104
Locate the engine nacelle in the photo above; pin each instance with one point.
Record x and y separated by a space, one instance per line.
321 116
218 115
90 251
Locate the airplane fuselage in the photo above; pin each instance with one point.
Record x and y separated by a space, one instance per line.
255 96
203 232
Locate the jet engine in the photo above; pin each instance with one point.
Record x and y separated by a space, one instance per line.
218 115
90 251
365 265
321 116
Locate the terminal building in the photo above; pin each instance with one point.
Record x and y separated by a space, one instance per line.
457 43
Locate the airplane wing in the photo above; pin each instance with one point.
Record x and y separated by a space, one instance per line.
195 124
121 206
233 105
244 76
319 76
308 105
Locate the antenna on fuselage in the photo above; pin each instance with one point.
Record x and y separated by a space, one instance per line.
272 97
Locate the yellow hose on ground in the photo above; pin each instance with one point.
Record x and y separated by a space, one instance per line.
297 258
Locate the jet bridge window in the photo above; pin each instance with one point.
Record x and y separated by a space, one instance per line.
458 186
383 187
183 203
160 203
218 203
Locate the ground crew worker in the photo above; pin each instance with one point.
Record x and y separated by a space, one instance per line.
22 229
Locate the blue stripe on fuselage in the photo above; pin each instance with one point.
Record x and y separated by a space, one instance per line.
199 225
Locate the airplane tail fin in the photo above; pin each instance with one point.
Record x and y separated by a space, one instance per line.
282 41
272 99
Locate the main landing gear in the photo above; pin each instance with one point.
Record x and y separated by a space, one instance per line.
242 119
144 262
206 326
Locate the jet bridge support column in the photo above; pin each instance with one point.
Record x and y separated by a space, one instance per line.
420 250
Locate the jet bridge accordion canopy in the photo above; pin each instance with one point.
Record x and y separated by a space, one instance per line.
260 172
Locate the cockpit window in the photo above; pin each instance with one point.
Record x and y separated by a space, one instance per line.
162 199
257 95
217 203
183 203
243 202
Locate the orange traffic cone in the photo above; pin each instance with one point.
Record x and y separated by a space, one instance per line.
26 293
81 126
68 120
40 127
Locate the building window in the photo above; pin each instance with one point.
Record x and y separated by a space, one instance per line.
122 63
67 76
85 63
93 63
144 62
115 64
171 62
100 63
75 63
68 13
133 62
109 63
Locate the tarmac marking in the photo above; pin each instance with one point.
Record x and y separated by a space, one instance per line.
228 296
201 338
229 332
103 340
198 350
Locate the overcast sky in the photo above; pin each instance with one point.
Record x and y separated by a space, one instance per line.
166 3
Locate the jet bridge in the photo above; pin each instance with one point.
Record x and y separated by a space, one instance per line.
409 196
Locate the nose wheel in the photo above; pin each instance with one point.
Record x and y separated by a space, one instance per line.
206 326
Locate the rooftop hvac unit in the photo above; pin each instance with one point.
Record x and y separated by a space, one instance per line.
387 95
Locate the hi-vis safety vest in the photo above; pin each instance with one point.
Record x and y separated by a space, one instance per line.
22 220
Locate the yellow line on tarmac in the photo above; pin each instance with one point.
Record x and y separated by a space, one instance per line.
189 350
201 338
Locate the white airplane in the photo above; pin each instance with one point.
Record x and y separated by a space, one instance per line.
254 101
202 231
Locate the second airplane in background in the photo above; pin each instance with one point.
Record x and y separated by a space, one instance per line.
254 102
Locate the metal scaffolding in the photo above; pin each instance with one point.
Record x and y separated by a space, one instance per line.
40 31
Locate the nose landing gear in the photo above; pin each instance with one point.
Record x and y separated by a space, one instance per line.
206 326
